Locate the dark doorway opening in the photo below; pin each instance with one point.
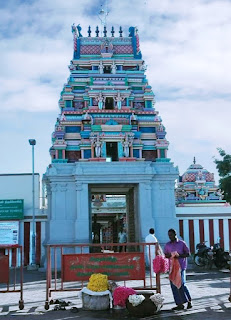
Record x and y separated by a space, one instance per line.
112 150
107 69
109 103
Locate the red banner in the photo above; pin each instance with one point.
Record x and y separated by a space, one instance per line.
4 267
118 266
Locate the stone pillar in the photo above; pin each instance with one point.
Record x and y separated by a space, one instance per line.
131 151
56 154
82 154
63 153
145 201
92 151
163 198
140 153
82 232
158 153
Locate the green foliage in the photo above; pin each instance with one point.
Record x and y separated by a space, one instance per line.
224 169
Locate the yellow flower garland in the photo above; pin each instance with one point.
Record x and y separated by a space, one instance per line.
98 282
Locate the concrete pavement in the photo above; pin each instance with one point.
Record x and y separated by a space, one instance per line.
209 289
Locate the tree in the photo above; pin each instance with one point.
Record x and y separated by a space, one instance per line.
224 169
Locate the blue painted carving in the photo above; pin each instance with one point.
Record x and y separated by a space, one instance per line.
148 129
111 122
77 52
72 129
132 34
79 30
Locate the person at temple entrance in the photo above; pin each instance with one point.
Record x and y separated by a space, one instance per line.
178 252
122 238
151 250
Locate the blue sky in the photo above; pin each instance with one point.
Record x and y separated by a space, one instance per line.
187 49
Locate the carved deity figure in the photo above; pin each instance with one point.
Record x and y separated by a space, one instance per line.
126 144
100 67
200 176
100 100
133 117
71 66
87 116
220 194
202 193
97 147
142 67
113 68
119 100
62 117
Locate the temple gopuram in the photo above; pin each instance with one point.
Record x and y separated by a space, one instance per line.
108 141
107 106
202 212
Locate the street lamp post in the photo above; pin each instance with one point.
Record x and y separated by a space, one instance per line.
32 142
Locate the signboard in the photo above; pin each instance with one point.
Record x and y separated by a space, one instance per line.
9 232
118 266
11 209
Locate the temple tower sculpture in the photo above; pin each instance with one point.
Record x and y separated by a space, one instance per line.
109 136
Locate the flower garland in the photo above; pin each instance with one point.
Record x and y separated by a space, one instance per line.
158 300
136 299
121 294
98 282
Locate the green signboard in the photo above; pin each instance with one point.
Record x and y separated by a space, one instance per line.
11 209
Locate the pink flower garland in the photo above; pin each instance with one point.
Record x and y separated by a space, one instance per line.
121 294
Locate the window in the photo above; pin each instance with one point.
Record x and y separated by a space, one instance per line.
112 150
136 153
87 153
109 103
68 104
162 153
107 69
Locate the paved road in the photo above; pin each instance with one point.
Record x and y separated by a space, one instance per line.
210 292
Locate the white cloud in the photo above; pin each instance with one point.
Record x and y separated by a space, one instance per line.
185 44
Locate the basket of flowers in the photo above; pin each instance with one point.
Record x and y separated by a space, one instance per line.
96 295
144 305
120 296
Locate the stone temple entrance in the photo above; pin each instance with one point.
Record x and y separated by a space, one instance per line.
113 207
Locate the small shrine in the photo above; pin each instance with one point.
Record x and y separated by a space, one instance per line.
197 185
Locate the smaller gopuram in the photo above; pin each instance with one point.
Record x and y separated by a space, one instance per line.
202 213
197 186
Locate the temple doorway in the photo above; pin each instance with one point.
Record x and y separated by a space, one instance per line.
109 103
112 150
110 212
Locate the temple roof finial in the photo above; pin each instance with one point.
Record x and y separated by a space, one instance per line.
194 160
103 13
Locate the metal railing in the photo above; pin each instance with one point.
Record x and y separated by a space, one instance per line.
69 266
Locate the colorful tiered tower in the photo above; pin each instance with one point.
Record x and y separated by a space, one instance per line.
107 106
197 186
108 139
